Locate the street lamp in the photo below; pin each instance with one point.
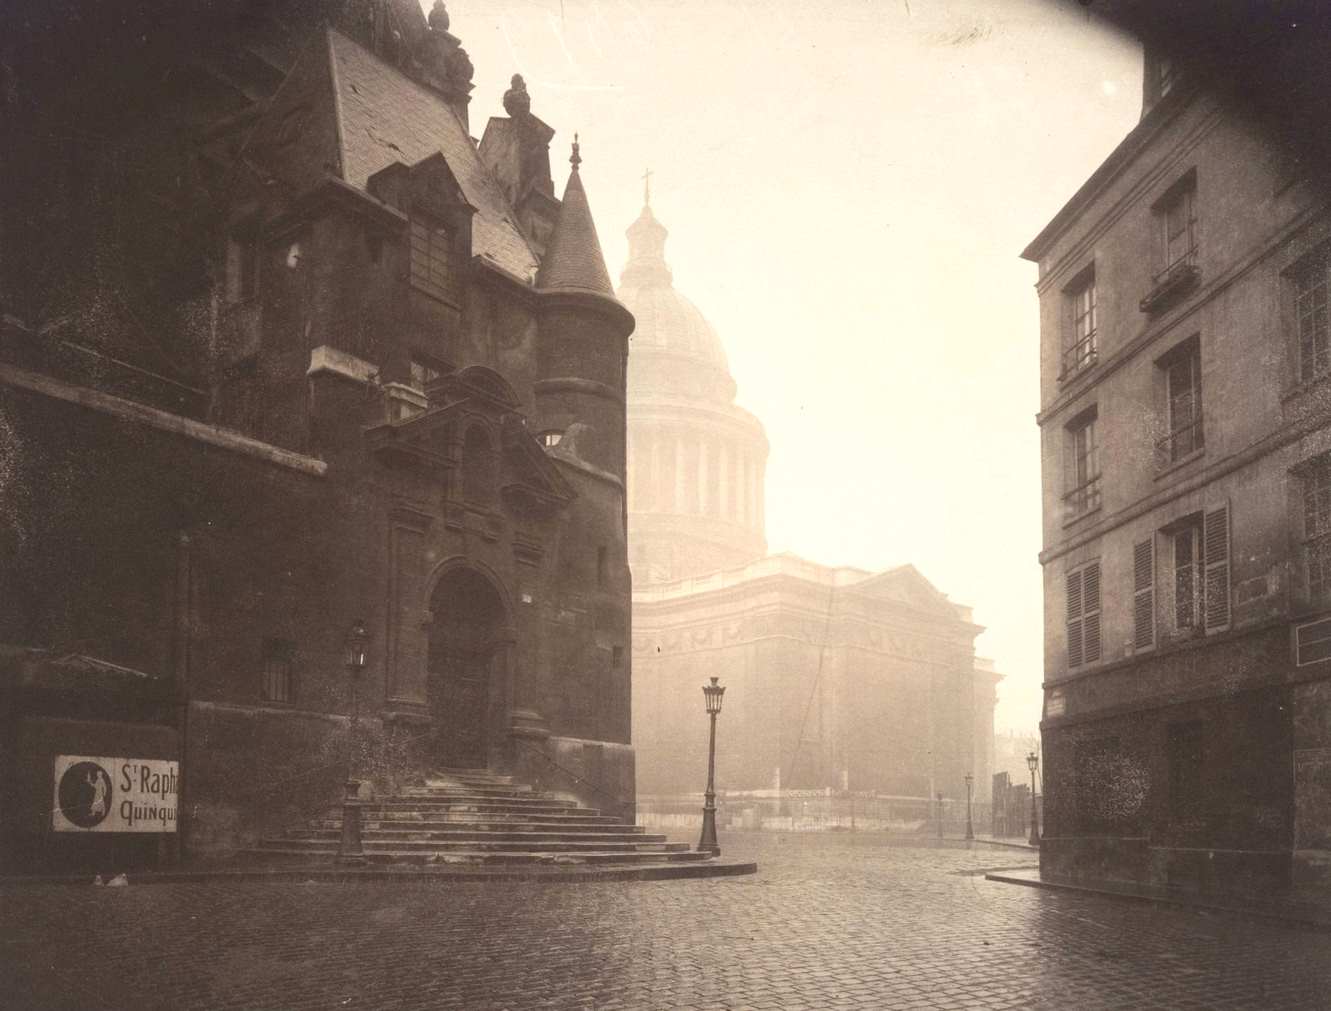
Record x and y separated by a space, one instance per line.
1032 761
707 843
354 650
970 828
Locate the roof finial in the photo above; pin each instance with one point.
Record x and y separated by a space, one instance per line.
575 159
647 188
517 103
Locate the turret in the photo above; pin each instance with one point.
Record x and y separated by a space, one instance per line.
584 333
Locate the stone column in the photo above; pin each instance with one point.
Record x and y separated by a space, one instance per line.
702 475
681 498
741 502
723 472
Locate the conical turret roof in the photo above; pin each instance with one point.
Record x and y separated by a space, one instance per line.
573 259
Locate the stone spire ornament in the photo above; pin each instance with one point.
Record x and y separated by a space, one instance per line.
575 159
438 19
517 103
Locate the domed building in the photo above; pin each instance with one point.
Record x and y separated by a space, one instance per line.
696 460
861 687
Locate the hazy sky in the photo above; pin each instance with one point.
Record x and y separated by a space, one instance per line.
848 185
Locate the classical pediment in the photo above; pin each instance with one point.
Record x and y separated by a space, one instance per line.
907 585
428 439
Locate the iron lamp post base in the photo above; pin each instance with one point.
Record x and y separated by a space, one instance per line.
350 850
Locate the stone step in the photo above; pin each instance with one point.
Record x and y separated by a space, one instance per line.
463 799
375 854
454 790
377 812
525 838
331 843
470 823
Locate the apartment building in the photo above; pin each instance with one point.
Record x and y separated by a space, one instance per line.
1185 417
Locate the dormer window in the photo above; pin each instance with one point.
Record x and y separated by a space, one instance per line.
550 438
431 260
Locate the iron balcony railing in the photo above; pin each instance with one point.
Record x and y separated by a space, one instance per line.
1172 282
1083 498
1179 443
1081 355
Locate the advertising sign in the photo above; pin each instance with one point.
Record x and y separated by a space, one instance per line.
95 794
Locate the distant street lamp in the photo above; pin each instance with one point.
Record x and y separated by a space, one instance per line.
940 815
350 850
970 828
707 843
1032 761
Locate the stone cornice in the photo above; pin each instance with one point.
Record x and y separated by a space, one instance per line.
163 421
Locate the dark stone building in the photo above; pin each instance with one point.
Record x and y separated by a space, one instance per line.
283 347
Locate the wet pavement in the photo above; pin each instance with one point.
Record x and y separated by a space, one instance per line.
831 920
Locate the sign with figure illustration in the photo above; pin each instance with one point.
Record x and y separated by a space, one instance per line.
115 794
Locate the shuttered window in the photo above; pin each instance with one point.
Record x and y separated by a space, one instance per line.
1083 597
1216 537
1143 594
1189 577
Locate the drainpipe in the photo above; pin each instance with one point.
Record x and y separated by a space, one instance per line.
180 652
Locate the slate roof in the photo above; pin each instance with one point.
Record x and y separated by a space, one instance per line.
573 259
386 117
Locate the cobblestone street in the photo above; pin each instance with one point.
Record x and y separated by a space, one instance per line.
829 921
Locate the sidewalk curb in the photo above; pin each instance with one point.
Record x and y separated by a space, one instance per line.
1295 917
324 872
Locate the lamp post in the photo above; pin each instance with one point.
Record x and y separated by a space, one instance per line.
350 850
970 827
940 815
1032 761
707 843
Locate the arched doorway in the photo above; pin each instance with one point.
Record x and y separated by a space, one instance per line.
465 660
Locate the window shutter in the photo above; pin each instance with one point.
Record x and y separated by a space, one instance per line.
1143 594
1091 608
1216 537
1076 656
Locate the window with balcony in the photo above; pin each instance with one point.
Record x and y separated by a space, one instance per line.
1176 219
1184 434
1310 312
1083 615
1083 466
1317 526
1079 346
1178 225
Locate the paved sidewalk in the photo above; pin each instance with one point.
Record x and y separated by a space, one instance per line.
832 920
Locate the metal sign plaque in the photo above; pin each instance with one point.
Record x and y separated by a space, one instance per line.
96 794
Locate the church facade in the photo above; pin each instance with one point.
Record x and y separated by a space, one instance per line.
288 350
839 680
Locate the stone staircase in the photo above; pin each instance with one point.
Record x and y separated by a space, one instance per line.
475 817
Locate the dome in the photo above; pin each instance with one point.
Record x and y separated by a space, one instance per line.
673 349
696 461
669 323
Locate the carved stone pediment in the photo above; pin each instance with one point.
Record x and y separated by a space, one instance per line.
534 485
428 439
